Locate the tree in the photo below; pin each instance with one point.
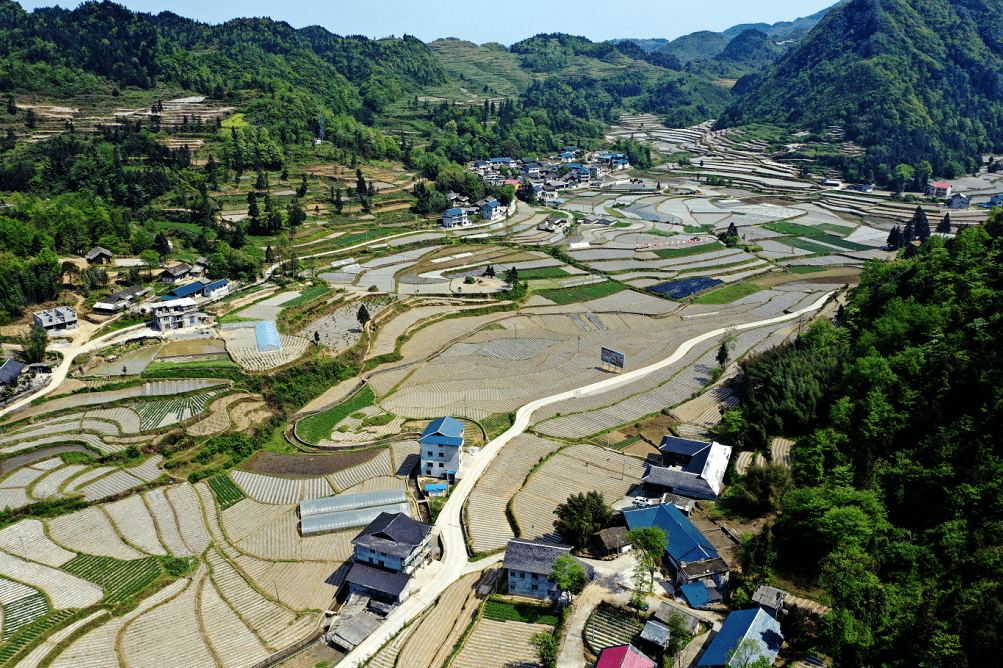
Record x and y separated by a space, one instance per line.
35 345
732 230
339 203
150 259
261 182
581 516
363 316
360 184
792 626
162 245
760 489
944 227
269 254
252 206
302 188
512 276
649 545
723 355
569 575
747 655
490 271
920 224
895 238
546 649
316 337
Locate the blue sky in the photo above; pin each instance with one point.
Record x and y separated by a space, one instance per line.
506 22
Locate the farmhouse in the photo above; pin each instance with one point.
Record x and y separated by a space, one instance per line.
10 370
939 190
529 564
393 541
693 469
216 289
120 299
754 625
58 319
492 211
691 556
176 273
455 218
958 201
99 255
175 314
441 447
770 599
624 656
192 289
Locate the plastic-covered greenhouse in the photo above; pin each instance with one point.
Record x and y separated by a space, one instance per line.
346 519
342 502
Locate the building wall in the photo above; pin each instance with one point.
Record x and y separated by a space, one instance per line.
366 556
444 458
533 585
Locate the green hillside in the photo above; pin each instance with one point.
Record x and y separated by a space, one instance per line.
491 65
911 80
751 48
701 45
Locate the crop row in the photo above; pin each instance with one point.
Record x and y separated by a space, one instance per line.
22 612
585 293
227 492
28 634
120 579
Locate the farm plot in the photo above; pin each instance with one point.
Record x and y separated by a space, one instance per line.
379 484
90 531
486 517
21 478
249 357
85 478
28 606
211 514
116 483
276 541
119 579
247 516
227 492
301 585
780 451
578 469
387 657
268 489
149 470
126 419
135 524
64 590
386 339
746 459
234 643
37 655
167 524
341 330
500 645
610 627
278 626
405 455
155 414
97 648
14 498
433 632
189 514
27 539
380 465
174 624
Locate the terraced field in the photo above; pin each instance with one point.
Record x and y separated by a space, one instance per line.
21 606
232 641
610 627
90 531
438 625
119 579
133 521
380 465
270 489
64 590
27 539
189 514
500 645
167 524
488 524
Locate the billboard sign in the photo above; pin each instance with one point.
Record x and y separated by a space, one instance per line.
612 357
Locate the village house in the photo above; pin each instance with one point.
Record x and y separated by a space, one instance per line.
99 255
958 201
175 314
692 557
393 541
455 218
441 444
178 272
693 469
192 289
216 289
753 625
529 564
623 656
492 211
10 371
939 190
56 320
119 300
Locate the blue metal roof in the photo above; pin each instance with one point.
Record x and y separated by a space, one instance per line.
695 594
186 290
682 446
342 502
684 542
741 625
493 205
440 487
267 337
218 284
453 212
443 431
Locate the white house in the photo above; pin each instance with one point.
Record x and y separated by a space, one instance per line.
216 289
492 211
441 445
455 218
175 314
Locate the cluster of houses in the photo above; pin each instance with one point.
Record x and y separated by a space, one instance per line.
955 200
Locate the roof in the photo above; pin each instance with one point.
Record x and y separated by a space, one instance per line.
98 250
682 446
695 594
532 556
768 596
681 482
377 579
347 519
443 431
217 284
656 632
10 370
754 624
267 337
178 269
453 212
612 538
187 289
394 534
184 301
341 502
624 656
438 487
703 476
941 185
666 611
493 205
201 259
698 569
684 542
128 293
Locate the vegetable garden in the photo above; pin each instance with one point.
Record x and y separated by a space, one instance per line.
226 491
584 293
120 579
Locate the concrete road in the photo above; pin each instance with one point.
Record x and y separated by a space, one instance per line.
455 551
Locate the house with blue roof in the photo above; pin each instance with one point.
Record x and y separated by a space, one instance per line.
753 632
691 556
455 218
441 445
531 169
493 210
216 289
693 469
192 289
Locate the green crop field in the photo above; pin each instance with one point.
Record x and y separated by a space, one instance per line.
728 294
28 634
685 251
584 293
22 612
542 272
801 269
837 241
803 244
222 363
315 427
306 296
120 579
805 230
227 492
621 224
499 611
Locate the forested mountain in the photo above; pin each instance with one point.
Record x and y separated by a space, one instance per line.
895 510
701 45
751 48
911 80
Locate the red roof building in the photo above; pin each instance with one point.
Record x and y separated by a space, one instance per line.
624 656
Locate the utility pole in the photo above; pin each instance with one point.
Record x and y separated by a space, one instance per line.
579 344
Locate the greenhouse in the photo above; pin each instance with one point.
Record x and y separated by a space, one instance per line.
346 519
343 502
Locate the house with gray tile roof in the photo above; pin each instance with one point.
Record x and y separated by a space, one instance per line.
529 564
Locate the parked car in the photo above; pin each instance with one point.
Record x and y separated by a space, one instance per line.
642 502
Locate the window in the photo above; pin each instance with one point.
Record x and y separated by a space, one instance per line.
536 587
429 453
535 576
442 454
441 465
370 560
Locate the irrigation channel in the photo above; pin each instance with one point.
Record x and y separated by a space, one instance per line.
455 562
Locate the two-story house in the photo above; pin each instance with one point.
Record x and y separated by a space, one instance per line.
175 314
178 272
441 445
393 541
58 319
691 556
529 564
456 217
690 468
493 210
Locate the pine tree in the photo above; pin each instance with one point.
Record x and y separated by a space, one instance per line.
512 276
908 234
490 271
261 183
360 183
723 354
945 225
339 203
732 230
269 254
301 190
921 225
895 237
363 316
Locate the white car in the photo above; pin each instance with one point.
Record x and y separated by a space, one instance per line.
642 502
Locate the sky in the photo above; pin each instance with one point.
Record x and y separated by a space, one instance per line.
478 21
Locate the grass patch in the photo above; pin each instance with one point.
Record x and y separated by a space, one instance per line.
801 230
500 611
495 424
542 272
584 293
315 427
688 250
625 443
378 420
804 244
117 324
226 490
728 294
621 224
837 241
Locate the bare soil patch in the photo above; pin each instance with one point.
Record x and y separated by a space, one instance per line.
651 430
305 466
